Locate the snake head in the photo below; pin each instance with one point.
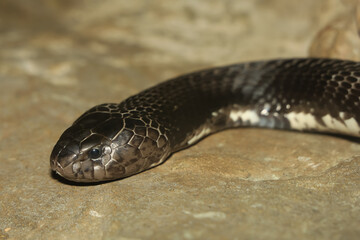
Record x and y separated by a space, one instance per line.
102 145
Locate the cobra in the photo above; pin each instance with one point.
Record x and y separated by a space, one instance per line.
112 141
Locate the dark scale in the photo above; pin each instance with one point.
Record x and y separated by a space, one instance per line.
143 130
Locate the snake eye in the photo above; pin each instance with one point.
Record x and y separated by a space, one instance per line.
95 153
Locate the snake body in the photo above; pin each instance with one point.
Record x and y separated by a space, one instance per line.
112 141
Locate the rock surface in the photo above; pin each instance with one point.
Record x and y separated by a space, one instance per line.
60 58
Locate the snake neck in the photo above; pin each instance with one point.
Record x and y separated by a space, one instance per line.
297 94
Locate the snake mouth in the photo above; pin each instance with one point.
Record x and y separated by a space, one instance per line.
78 170
81 171
74 167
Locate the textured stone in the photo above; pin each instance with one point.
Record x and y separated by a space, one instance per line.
340 37
59 58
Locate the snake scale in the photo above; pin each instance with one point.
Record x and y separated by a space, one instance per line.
112 140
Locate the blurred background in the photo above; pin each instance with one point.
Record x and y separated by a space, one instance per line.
60 57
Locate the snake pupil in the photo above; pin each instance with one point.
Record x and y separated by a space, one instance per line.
95 153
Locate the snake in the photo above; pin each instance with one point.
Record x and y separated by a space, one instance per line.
116 140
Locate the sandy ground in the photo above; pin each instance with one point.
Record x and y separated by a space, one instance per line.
59 58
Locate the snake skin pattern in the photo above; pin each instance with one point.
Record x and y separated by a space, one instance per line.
112 141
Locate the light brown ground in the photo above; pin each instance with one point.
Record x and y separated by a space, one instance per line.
59 58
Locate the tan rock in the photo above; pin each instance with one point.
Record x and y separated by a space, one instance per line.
59 58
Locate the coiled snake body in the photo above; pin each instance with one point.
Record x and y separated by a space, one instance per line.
112 140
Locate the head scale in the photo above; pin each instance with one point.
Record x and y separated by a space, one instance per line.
106 144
